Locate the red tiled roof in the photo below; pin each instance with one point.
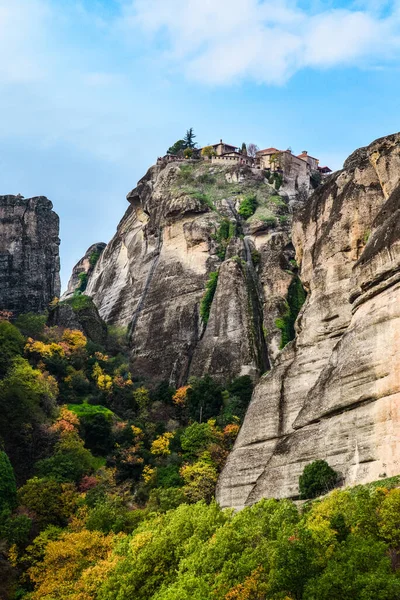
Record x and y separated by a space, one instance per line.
268 151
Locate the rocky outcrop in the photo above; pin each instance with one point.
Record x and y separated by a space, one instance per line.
80 313
181 225
29 254
334 393
83 269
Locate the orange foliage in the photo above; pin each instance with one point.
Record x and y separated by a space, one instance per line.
251 589
66 422
231 431
180 395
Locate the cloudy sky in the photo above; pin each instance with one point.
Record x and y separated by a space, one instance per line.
92 91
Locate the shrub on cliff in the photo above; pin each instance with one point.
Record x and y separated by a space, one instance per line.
205 305
317 478
248 206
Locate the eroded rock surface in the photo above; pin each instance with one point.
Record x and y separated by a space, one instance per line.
151 277
334 393
29 254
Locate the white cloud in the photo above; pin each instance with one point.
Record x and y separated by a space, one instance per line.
266 41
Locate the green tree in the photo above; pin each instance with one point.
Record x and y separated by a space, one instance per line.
97 434
177 148
51 502
153 553
70 462
11 345
317 478
204 398
208 151
200 480
189 139
196 438
27 400
389 524
359 570
8 487
31 325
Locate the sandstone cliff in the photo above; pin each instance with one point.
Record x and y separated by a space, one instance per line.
334 393
83 269
182 225
29 254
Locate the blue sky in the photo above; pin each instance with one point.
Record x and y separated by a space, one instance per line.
92 91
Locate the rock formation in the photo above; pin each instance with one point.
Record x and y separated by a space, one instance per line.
334 392
82 270
80 313
182 224
29 257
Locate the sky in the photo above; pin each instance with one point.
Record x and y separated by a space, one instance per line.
93 91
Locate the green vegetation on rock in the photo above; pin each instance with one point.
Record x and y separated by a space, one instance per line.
317 478
206 301
295 300
224 234
79 302
83 281
248 206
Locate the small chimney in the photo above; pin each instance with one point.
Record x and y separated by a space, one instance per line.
305 152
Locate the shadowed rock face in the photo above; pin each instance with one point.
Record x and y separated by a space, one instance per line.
151 277
334 393
29 254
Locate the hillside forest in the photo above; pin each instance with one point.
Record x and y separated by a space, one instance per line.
107 489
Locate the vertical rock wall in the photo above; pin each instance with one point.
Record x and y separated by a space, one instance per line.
151 277
334 392
29 254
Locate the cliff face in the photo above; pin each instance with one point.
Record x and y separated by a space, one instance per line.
334 393
83 269
182 224
29 254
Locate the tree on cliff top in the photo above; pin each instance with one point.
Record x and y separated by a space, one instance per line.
189 139
252 150
181 145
